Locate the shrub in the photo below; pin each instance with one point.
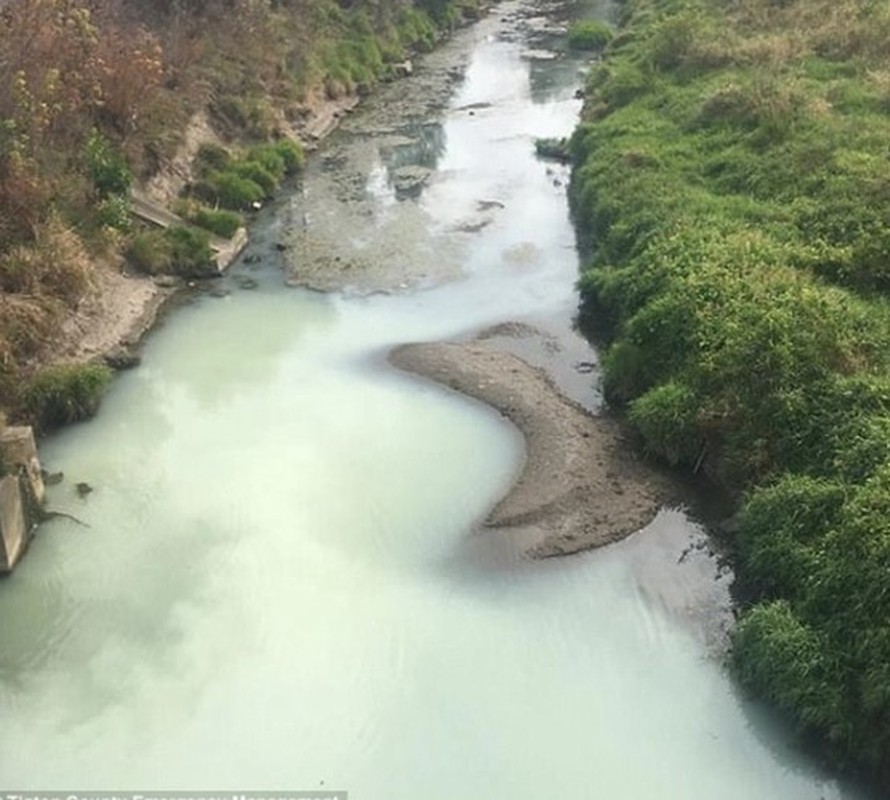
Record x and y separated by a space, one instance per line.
108 169
150 251
114 212
190 250
590 34
783 658
55 265
234 191
780 529
667 418
268 157
223 223
65 393
292 154
256 173
212 158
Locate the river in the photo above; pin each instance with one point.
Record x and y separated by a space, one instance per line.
282 584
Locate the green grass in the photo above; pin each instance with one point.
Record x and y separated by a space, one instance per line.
731 189
63 394
590 34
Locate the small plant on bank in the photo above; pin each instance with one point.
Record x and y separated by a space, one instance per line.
108 168
212 158
150 252
591 34
232 191
190 250
65 393
178 250
221 222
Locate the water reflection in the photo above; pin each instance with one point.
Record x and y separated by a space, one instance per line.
420 146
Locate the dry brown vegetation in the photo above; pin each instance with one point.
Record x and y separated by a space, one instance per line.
97 93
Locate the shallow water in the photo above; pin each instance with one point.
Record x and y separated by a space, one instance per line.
281 586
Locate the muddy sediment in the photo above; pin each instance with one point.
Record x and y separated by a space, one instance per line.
581 485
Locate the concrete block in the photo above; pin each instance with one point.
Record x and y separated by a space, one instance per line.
14 531
19 450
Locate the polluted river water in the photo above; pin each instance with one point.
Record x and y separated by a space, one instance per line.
283 583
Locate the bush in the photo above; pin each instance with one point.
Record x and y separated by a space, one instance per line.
212 158
590 34
234 191
108 169
667 418
780 530
150 251
783 658
65 393
256 173
291 152
223 223
268 157
114 212
190 250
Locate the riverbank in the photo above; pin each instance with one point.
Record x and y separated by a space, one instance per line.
122 306
730 178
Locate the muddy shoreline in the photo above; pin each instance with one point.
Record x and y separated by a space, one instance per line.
581 485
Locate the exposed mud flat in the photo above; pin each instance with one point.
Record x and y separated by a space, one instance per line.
581 485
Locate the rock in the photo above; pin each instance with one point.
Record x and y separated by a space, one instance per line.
52 478
403 70
122 358
246 282
253 258
167 281
219 292
18 449
82 489
409 181
14 530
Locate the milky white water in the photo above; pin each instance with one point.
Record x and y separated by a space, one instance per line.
281 586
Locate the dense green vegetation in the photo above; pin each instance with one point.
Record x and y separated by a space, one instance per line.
589 34
731 182
66 393
95 96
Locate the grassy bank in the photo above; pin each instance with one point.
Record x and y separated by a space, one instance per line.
95 95
731 180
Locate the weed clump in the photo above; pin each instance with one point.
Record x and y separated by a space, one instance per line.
66 393
590 34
